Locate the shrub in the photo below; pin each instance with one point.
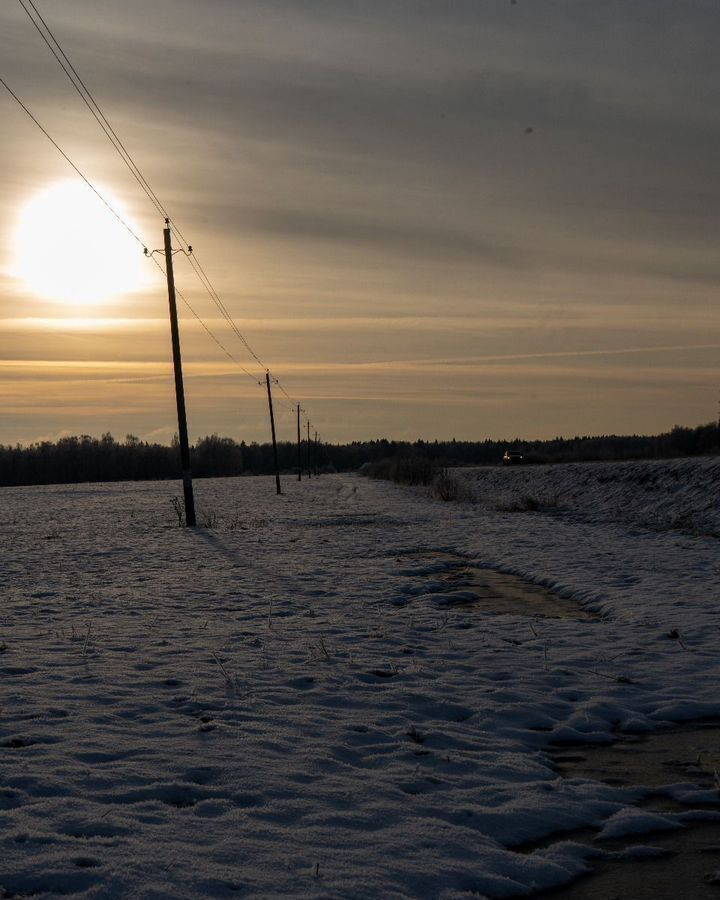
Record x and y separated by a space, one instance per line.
179 510
526 503
446 486
207 518
413 470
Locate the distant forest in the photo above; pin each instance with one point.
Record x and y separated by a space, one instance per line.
77 459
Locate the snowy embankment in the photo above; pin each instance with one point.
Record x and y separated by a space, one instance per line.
657 494
277 706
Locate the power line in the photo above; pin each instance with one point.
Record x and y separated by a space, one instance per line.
207 327
120 219
71 163
88 99
289 398
200 272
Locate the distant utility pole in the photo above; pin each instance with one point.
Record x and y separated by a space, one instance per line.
272 428
299 444
309 467
316 455
179 389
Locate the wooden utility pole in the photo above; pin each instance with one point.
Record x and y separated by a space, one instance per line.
316 455
299 443
179 389
309 466
272 428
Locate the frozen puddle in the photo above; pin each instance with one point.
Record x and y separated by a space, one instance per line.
681 864
680 856
449 580
689 753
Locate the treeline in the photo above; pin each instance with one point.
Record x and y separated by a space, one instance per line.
85 458
681 441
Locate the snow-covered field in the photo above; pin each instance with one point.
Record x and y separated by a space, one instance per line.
289 704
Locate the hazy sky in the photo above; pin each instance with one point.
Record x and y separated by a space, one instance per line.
431 219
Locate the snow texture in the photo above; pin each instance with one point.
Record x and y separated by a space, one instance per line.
291 704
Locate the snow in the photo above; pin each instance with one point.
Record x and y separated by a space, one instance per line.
293 703
635 821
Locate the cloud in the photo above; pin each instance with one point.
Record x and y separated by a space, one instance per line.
360 182
391 238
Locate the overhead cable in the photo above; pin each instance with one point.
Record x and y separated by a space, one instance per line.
205 326
200 272
118 217
88 99
71 163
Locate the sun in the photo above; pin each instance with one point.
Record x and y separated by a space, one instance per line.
70 248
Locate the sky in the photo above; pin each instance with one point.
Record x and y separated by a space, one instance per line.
441 219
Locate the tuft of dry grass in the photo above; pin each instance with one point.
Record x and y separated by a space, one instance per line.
526 503
207 518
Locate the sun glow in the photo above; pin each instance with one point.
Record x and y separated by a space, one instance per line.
69 247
